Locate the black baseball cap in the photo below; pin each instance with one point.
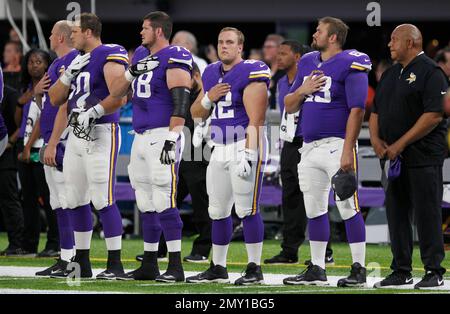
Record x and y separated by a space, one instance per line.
344 184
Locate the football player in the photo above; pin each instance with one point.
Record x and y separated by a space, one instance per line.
51 132
91 150
160 103
236 89
331 88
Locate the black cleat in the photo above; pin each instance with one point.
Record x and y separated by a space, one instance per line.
430 280
59 266
80 264
252 276
395 279
215 273
111 273
195 258
148 271
357 277
281 259
313 275
174 272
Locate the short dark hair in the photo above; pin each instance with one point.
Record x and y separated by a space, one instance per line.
239 34
161 20
440 55
336 27
92 22
296 47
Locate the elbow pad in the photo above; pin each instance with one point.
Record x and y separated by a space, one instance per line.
181 101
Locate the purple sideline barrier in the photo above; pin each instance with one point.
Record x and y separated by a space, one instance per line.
271 195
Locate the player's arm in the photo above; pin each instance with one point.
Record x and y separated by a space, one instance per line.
203 105
295 99
179 84
59 92
59 126
356 88
255 103
121 85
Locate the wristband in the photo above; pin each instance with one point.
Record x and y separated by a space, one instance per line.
99 111
128 76
66 78
206 102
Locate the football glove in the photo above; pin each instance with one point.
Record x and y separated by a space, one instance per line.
168 153
244 167
74 68
143 66
86 117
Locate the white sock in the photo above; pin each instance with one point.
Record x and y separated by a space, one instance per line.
114 243
66 255
254 251
174 246
220 254
358 253
318 249
83 240
151 247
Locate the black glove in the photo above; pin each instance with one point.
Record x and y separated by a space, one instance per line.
168 155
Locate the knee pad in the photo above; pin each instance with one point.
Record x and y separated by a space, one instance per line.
164 188
346 210
73 200
216 213
243 212
144 201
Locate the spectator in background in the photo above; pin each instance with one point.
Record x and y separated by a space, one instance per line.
256 54
381 66
442 58
12 57
211 53
35 191
13 36
270 51
187 40
10 206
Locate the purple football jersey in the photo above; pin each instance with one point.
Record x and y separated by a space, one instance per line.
325 113
49 111
3 130
89 88
229 118
152 101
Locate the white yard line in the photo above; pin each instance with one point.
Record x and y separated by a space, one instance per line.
269 279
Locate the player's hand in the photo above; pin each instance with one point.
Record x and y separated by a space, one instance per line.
143 66
394 150
312 84
168 155
199 134
86 117
347 160
50 155
379 146
218 91
43 85
244 168
75 68
24 156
